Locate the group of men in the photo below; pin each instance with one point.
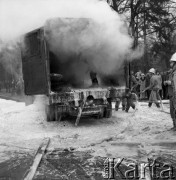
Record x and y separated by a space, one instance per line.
141 81
154 88
130 98
154 96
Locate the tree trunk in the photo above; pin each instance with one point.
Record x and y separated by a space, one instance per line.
146 63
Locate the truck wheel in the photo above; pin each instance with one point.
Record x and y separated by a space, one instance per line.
50 112
108 112
101 115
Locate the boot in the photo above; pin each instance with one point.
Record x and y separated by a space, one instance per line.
157 105
173 129
149 104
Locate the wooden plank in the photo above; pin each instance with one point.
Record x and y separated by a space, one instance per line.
78 116
80 109
40 152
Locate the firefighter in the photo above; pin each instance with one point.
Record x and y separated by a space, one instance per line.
133 81
130 100
160 84
154 87
142 86
124 101
147 83
172 85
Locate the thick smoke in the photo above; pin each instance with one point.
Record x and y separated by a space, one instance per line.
20 16
83 45
99 41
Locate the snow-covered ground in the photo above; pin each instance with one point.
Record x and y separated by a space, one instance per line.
24 127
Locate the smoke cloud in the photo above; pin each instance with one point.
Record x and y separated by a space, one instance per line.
99 39
83 45
20 16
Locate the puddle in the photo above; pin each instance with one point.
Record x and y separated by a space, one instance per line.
81 165
16 166
123 150
64 164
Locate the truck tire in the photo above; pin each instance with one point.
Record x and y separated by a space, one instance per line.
108 112
50 112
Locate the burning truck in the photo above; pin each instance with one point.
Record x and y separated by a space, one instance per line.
54 64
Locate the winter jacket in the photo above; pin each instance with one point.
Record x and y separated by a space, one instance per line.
142 87
154 83
173 83
133 81
159 81
142 84
129 100
169 86
147 80
133 97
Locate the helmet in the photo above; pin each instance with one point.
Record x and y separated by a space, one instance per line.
152 70
173 58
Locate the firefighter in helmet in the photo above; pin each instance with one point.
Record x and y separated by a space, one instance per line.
154 87
172 83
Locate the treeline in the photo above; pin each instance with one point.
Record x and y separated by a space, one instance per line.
153 24
10 68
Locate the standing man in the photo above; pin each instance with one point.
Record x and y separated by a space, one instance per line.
160 83
147 83
154 87
164 87
142 86
169 90
138 74
172 85
133 82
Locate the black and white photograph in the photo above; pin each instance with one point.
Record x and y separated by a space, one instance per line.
87 89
